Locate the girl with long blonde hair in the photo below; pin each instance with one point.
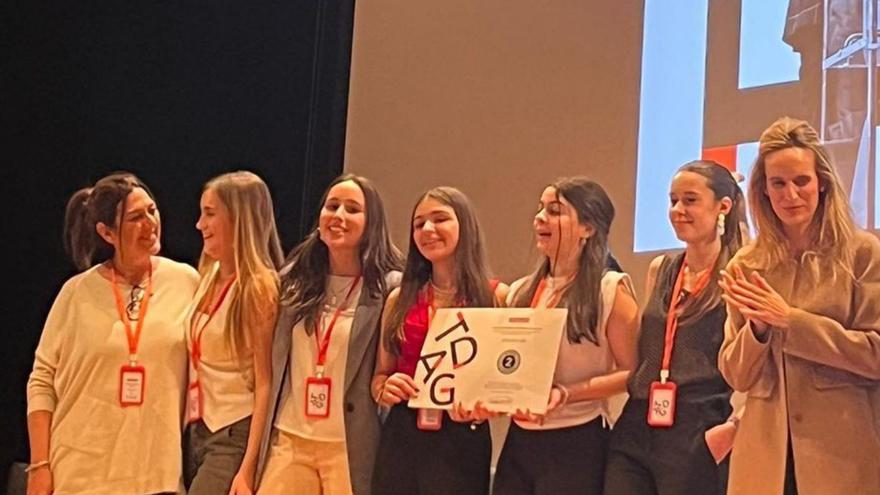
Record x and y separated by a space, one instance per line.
229 335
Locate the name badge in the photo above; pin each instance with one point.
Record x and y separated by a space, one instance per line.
661 404
430 419
318 397
131 385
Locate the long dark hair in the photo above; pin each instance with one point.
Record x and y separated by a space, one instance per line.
102 203
472 273
304 281
723 185
582 297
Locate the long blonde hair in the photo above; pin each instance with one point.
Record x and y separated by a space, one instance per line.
256 249
832 228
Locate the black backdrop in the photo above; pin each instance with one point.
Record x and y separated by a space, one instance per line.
175 91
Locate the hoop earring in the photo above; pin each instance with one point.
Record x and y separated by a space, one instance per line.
719 225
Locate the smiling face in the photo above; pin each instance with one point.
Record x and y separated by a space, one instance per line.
435 229
343 217
792 186
693 208
138 234
215 224
557 228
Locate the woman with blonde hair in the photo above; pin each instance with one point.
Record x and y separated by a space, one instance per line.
229 335
802 336
105 393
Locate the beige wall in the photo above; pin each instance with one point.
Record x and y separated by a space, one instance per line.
498 97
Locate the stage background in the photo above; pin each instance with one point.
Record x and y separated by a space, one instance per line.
495 97
500 97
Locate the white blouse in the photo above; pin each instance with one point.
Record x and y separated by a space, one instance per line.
583 360
226 381
303 359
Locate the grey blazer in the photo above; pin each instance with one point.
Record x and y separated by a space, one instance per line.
360 413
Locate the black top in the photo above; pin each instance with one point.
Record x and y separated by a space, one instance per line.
694 366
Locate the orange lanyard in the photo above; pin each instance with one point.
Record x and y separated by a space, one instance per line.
672 317
554 300
133 336
195 333
324 344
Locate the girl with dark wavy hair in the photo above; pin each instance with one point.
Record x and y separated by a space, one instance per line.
323 425
563 452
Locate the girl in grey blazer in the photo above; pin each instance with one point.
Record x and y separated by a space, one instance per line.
324 429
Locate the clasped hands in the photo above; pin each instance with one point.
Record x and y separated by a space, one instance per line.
755 299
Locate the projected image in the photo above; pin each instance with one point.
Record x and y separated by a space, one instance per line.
710 85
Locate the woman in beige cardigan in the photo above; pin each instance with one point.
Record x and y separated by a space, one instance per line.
803 330
106 391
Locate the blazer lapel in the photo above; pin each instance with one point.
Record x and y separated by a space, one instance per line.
282 342
363 327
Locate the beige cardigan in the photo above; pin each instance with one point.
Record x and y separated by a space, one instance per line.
818 380
96 446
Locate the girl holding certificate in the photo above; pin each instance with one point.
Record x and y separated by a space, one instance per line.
229 335
563 452
325 427
802 335
106 391
428 452
674 430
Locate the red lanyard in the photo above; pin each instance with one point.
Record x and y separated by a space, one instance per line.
324 344
133 336
554 300
195 333
672 317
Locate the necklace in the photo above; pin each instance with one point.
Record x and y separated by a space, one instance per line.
335 295
440 290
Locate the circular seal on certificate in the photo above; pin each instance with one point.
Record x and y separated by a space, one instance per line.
509 361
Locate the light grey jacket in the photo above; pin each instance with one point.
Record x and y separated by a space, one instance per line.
361 417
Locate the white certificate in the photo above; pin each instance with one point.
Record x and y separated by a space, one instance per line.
502 357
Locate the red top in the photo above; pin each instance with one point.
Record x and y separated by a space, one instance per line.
415 329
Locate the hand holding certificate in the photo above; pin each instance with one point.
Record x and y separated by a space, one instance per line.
502 359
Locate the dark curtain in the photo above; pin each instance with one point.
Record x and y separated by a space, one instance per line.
176 92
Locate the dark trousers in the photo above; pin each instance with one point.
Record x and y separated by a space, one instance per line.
644 460
454 459
553 462
211 460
